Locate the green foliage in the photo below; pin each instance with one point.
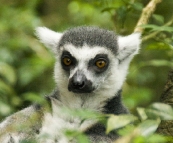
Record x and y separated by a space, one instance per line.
116 122
80 137
158 28
131 128
26 67
22 59
163 111
159 18
143 130
87 14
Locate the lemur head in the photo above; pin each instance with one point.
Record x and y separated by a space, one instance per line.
90 60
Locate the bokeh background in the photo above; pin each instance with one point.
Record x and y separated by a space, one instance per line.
26 66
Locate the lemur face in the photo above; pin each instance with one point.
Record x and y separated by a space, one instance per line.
87 55
86 67
90 59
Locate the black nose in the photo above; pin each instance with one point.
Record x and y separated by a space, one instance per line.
78 80
79 83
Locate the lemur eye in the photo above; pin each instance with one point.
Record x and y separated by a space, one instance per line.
67 61
100 63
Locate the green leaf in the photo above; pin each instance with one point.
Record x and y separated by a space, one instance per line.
149 26
158 18
158 28
6 89
31 69
139 139
81 138
8 73
157 63
114 5
165 28
7 92
160 110
4 108
142 114
138 6
157 138
159 46
33 97
108 9
74 134
116 122
148 127
126 130
83 113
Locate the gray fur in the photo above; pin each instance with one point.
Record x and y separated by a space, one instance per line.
92 36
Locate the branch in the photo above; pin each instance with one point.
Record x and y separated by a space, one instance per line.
146 14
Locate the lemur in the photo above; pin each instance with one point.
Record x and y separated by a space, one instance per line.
91 66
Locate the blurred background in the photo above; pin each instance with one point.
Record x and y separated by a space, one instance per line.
26 66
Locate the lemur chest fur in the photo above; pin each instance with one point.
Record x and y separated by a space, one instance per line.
57 122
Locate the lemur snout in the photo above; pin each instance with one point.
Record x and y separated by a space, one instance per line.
79 83
79 80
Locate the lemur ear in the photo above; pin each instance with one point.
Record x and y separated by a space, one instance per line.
128 46
48 37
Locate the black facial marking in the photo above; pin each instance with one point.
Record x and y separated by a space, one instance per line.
100 57
67 54
80 84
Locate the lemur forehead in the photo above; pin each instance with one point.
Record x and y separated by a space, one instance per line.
85 52
92 36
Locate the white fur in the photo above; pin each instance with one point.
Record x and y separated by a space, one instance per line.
128 45
48 37
15 138
55 124
11 129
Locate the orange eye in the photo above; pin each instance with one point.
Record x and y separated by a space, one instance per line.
100 64
67 61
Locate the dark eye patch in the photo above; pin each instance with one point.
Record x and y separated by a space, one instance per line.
67 55
93 63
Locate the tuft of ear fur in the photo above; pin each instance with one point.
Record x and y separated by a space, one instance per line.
48 37
128 46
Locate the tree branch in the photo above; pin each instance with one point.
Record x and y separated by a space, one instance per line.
146 14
